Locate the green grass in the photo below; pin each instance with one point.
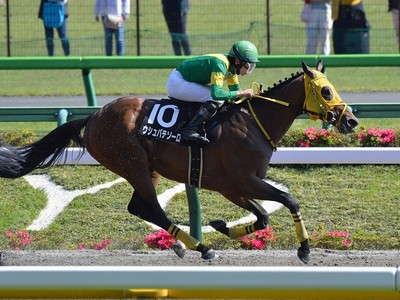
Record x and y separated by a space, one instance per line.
362 200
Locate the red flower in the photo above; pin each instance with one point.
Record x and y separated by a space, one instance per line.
18 240
259 239
376 137
346 243
256 244
161 240
99 246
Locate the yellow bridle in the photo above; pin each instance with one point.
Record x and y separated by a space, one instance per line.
315 106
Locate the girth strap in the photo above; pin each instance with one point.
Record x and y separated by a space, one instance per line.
195 169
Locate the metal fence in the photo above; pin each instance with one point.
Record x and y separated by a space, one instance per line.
273 25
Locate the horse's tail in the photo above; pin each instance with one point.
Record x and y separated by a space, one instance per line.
19 161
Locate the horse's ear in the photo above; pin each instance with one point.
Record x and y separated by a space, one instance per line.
320 65
308 70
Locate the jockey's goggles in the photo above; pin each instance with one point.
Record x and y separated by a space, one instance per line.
249 67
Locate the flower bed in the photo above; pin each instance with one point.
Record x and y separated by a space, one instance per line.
311 137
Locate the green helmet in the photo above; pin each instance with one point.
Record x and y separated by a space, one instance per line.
245 51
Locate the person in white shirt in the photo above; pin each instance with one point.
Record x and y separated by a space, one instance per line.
113 14
319 27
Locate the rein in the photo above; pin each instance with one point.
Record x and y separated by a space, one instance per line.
256 87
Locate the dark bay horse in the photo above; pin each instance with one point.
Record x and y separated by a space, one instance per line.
234 164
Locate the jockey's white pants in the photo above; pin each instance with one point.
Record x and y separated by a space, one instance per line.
181 89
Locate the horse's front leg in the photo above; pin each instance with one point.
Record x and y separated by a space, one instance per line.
269 192
258 189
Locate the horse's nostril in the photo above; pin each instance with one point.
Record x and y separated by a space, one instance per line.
352 122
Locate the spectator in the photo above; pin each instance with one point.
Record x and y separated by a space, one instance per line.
394 9
350 27
175 13
54 14
113 14
319 27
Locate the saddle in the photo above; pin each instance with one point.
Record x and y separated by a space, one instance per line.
166 117
164 120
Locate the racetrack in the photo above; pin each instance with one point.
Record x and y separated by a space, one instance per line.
319 257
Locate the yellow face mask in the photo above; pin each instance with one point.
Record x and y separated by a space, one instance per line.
317 105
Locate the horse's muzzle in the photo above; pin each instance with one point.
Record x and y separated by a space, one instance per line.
347 124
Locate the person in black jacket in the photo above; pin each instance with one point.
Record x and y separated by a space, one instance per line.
61 27
350 27
175 13
394 9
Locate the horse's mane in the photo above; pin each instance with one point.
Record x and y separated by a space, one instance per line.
282 83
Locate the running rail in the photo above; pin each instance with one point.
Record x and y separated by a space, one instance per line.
289 155
206 282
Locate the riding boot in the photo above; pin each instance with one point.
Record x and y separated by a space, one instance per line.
189 133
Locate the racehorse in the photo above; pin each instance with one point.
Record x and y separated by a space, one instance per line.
234 164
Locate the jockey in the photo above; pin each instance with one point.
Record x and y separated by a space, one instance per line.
200 79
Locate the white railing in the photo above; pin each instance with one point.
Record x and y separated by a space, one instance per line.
201 282
312 155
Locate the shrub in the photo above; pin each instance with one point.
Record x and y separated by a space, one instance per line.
18 137
311 137
333 239
18 240
375 137
259 240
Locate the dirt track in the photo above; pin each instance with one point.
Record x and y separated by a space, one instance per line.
319 257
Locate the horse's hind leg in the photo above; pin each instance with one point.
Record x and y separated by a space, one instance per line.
144 204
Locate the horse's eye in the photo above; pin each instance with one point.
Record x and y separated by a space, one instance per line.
327 93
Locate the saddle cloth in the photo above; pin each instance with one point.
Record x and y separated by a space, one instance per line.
166 117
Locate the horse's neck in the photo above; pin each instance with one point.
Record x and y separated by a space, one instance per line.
278 118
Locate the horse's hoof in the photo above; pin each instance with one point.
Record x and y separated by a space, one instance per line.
304 255
179 248
210 254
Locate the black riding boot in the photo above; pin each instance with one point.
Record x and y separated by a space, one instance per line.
189 133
